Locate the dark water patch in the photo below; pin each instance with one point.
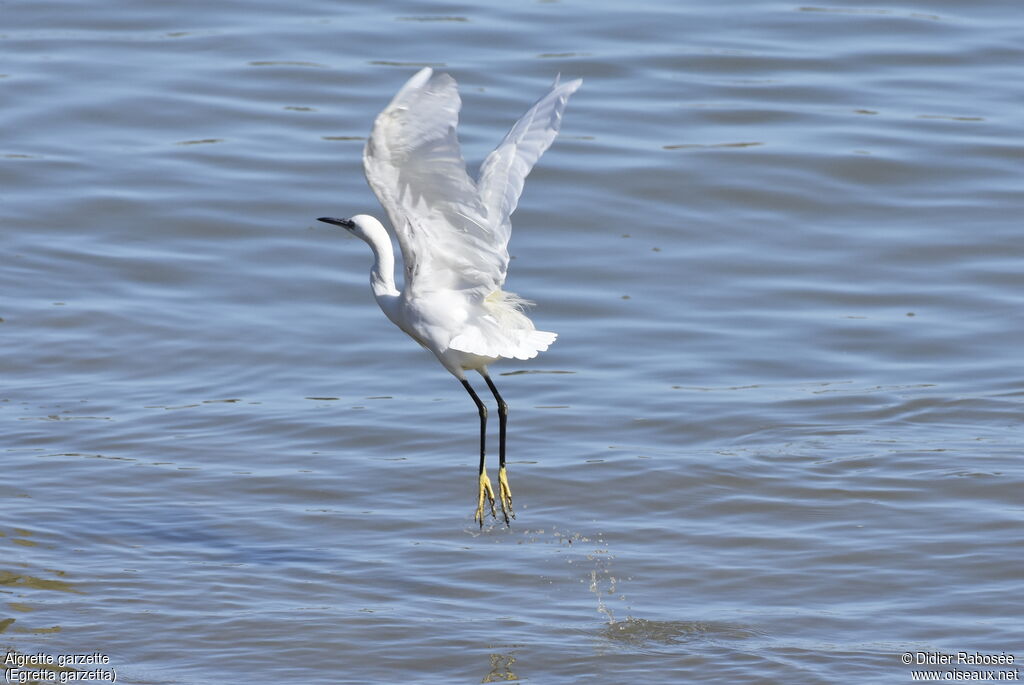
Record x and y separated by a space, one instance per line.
639 632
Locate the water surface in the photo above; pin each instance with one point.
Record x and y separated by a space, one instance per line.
778 439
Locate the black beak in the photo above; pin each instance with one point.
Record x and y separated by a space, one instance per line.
344 223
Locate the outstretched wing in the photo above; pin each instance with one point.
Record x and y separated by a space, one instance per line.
504 171
414 165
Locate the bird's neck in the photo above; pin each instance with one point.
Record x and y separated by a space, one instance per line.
382 275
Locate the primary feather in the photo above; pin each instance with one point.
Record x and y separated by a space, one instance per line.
504 172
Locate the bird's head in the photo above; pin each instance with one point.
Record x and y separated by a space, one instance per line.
361 225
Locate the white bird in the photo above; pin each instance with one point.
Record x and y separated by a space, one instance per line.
454 236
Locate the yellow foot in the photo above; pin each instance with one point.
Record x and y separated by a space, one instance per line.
486 492
506 495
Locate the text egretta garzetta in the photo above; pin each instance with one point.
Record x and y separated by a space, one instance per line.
453 234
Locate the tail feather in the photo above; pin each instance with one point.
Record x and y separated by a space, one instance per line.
503 330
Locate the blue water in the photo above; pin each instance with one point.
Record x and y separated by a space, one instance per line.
778 440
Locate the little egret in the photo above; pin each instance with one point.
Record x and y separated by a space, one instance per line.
454 236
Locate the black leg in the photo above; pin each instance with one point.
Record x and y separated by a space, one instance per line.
485 491
482 409
502 421
504 491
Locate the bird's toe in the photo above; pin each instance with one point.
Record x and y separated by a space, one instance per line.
486 493
505 493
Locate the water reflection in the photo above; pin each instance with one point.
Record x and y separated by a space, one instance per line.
22 588
501 669
22 580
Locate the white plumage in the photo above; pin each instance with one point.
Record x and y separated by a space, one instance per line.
453 233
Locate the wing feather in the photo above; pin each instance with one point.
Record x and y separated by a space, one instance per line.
504 172
454 233
414 165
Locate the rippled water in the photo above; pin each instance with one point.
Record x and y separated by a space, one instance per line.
778 440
